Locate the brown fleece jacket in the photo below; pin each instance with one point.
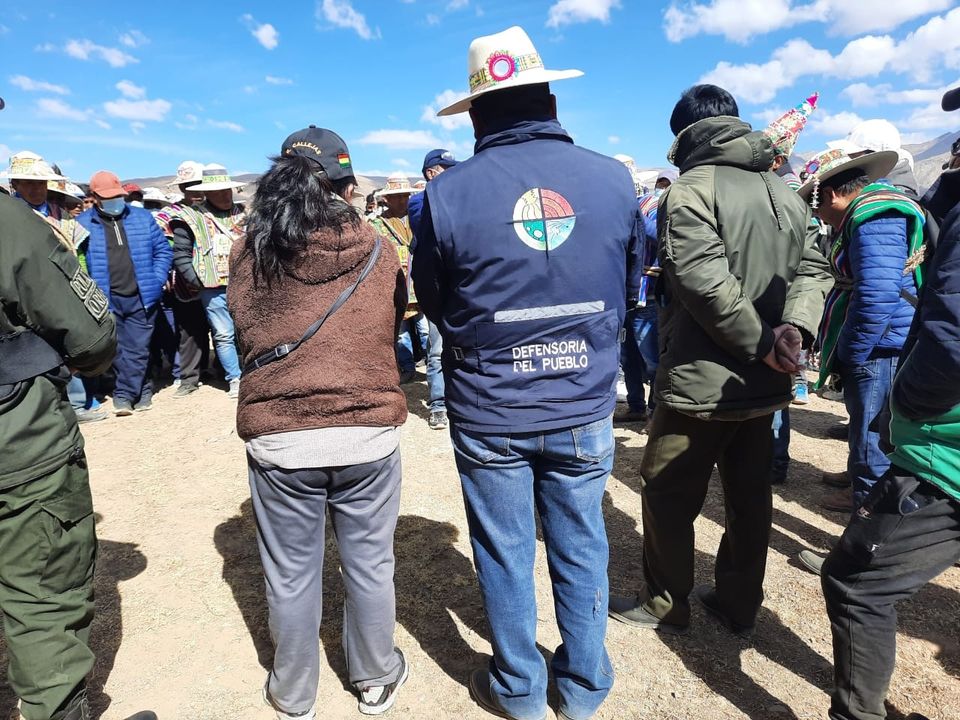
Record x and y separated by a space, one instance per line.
346 374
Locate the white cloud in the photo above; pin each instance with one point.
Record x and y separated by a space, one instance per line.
143 110
265 33
569 12
341 13
614 139
834 124
53 108
133 39
864 95
274 80
455 5
102 123
740 20
402 139
401 162
30 85
226 125
920 54
89 50
136 126
5 153
129 90
451 122
433 19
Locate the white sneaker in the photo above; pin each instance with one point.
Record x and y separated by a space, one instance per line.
310 714
234 389
378 699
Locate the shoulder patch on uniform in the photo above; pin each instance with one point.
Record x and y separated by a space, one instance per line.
92 296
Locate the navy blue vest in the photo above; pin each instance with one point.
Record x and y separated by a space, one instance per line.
536 239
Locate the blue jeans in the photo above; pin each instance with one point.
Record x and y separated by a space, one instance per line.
405 342
80 398
135 325
781 444
639 356
866 392
435 370
214 302
560 475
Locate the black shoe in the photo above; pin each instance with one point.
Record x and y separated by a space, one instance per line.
707 597
631 611
143 715
916 716
633 416
377 700
146 403
407 376
122 407
777 478
184 390
483 695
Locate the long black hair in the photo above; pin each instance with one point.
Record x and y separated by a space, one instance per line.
294 199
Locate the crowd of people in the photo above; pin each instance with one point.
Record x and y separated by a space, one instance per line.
527 279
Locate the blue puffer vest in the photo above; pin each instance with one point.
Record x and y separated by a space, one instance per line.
535 239
149 249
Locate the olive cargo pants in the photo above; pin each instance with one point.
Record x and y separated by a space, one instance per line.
47 551
676 469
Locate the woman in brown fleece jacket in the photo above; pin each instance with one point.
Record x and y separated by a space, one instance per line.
321 424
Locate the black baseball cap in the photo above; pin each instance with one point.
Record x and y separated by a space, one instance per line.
324 147
441 157
951 100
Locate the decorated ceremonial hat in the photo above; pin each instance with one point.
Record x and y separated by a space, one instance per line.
26 165
215 177
833 162
397 184
785 130
504 60
189 172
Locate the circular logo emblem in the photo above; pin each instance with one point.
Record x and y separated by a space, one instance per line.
543 219
501 66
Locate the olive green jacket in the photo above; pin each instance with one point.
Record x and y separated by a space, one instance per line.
739 257
44 291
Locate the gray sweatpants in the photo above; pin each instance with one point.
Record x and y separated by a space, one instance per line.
290 507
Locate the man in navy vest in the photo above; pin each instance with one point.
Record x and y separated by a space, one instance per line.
526 255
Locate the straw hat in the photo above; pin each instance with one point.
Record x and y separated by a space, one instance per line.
215 177
152 194
26 165
504 60
65 187
833 162
397 184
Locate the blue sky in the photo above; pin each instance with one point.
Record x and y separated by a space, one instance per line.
137 89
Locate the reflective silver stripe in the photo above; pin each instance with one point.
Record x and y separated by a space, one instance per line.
550 311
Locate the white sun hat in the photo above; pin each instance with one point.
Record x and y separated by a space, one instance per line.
397 184
504 60
152 194
190 172
27 165
215 177
870 135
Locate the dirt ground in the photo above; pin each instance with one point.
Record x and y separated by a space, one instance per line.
181 624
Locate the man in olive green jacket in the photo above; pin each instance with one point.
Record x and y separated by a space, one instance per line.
52 316
743 289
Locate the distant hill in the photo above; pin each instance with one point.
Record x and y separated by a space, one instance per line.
929 158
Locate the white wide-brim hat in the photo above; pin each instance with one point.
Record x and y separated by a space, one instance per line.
215 177
152 194
835 161
30 166
397 184
504 60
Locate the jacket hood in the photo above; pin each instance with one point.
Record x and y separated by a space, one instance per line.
902 177
721 140
331 254
523 131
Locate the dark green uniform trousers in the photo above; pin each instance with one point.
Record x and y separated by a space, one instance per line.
47 551
676 469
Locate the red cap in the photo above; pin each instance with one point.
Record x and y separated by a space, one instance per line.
132 188
106 185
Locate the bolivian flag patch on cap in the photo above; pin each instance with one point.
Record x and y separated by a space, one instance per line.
344 160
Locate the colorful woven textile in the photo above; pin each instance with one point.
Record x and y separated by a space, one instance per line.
876 199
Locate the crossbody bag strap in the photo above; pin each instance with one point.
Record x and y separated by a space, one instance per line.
281 351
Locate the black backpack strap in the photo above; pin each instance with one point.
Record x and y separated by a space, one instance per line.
281 351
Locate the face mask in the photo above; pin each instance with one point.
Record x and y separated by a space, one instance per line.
658 192
113 206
